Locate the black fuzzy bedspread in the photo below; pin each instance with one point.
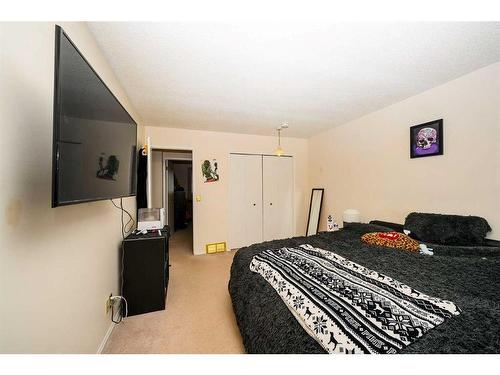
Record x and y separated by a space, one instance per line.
468 276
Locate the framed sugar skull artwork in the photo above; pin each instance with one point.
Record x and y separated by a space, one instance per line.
426 139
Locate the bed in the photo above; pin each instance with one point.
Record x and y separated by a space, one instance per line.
467 275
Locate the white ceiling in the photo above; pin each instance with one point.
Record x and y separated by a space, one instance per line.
249 78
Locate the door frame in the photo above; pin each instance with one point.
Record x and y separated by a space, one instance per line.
164 148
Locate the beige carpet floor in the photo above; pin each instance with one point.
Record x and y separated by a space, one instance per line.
198 317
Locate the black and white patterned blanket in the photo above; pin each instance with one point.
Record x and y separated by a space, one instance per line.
346 307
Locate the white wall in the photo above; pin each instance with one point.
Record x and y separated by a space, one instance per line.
157 167
57 266
210 216
365 163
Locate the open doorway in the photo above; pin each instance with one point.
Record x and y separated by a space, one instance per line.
172 179
182 193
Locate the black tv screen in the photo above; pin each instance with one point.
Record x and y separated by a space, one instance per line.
95 139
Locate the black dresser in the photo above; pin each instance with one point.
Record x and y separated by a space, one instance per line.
145 271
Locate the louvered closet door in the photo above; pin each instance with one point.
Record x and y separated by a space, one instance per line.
277 176
245 202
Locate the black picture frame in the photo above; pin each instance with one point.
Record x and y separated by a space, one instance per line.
310 207
428 143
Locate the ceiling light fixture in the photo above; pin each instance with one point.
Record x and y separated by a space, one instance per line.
279 149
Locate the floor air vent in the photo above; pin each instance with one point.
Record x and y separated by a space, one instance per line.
217 247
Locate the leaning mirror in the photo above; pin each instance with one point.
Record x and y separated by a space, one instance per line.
314 211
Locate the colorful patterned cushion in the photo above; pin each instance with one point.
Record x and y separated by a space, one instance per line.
391 239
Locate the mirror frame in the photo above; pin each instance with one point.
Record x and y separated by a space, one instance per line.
310 209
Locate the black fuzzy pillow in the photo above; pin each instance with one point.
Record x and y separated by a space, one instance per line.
447 229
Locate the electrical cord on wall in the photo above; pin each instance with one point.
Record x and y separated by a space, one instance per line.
130 223
126 229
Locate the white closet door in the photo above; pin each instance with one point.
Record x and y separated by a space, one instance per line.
278 183
245 203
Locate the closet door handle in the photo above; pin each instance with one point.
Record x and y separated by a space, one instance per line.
255 204
271 203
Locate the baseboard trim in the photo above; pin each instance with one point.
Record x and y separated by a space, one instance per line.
108 334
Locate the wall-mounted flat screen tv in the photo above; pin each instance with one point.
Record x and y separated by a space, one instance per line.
95 138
